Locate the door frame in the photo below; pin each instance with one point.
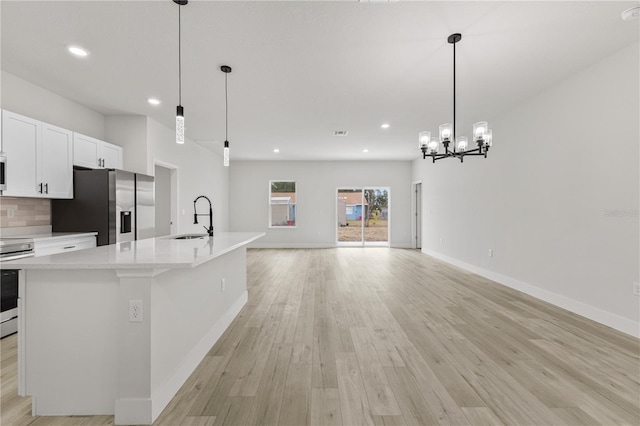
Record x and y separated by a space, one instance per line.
416 214
175 201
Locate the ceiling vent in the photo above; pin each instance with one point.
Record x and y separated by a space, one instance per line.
340 132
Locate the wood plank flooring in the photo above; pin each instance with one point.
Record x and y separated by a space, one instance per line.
380 336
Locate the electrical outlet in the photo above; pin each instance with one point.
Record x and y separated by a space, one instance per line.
440 240
11 213
490 252
223 285
135 310
636 289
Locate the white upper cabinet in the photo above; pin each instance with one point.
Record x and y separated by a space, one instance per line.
39 158
95 154
20 137
111 156
56 161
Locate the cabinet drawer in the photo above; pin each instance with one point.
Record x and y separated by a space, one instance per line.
45 248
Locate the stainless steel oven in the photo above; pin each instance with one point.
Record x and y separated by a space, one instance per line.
11 249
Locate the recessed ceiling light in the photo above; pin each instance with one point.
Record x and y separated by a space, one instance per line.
78 51
276 150
630 14
153 101
385 126
365 150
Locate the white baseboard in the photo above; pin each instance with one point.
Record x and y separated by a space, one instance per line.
290 245
312 245
609 319
163 394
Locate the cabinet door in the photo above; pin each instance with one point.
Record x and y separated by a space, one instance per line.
86 151
20 136
111 156
55 154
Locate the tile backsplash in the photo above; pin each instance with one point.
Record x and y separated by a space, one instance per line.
18 212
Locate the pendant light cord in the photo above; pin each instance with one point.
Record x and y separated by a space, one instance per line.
179 58
226 109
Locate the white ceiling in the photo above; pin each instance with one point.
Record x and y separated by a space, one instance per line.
304 69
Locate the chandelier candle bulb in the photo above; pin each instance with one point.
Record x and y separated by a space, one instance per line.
461 143
488 138
424 138
479 130
445 132
434 145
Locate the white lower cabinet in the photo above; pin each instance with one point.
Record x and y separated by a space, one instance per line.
49 246
39 158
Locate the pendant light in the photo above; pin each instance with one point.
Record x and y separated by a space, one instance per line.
482 135
226 69
180 109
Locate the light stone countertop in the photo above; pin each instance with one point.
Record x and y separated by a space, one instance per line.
152 253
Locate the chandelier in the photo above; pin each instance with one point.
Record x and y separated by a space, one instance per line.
482 135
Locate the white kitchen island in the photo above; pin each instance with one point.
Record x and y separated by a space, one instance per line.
84 347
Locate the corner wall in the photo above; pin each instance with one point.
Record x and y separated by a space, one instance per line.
23 97
316 184
557 199
200 172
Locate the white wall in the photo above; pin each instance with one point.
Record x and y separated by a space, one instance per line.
200 172
26 98
557 199
316 184
129 132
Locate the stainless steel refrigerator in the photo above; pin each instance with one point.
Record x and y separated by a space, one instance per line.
116 204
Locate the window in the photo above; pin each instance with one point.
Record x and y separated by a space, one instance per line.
282 203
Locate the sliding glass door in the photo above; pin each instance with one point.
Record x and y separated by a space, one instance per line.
362 216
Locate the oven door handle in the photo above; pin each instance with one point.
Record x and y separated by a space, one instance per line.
17 256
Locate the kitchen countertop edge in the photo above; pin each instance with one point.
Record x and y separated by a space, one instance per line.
107 257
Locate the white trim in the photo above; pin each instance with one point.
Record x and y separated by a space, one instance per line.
295 204
363 242
609 319
163 394
175 193
290 245
414 210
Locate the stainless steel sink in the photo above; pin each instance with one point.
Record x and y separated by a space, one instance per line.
189 237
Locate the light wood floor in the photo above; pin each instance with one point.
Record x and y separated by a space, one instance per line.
391 337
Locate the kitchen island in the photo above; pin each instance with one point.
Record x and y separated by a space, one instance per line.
118 329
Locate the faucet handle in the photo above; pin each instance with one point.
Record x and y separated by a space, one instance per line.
209 230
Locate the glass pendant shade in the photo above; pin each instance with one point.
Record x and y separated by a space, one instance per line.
488 137
433 146
180 125
423 139
226 153
461 143
479 130
446 132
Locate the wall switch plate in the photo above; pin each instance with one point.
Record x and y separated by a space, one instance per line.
223 285
636 289
135 310
490 252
